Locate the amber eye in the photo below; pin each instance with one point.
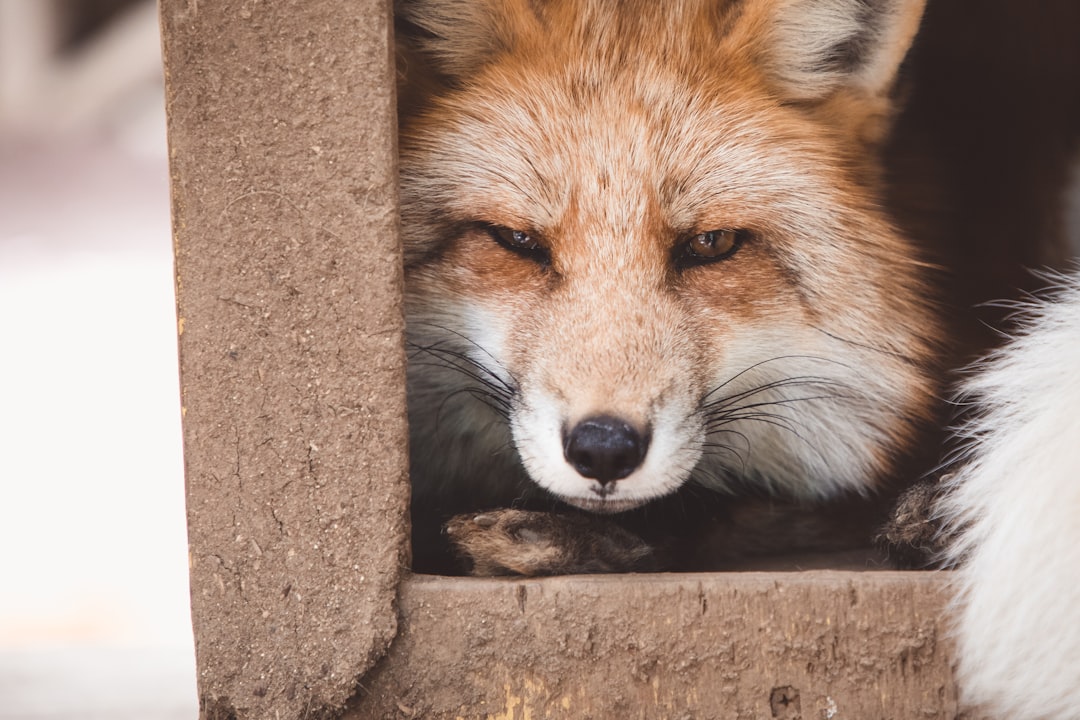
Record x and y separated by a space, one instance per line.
519 242
515 239
711 246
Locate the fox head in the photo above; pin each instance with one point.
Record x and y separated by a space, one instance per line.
643 245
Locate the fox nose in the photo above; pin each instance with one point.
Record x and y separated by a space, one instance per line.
605 448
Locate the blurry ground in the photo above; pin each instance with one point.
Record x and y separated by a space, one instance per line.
93 567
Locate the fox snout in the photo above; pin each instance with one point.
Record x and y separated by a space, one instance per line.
605 449
606 411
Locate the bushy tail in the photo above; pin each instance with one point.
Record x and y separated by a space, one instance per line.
1016 505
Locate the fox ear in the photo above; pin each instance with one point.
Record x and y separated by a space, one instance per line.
459 36
816 47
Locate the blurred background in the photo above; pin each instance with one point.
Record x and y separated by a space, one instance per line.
94 616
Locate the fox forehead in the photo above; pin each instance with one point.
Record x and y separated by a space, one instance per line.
537 155
623 138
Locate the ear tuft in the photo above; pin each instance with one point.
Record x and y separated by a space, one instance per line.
460 36
819 46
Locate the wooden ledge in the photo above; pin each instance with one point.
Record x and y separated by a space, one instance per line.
816 644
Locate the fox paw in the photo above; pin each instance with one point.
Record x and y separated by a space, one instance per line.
913 536
520 542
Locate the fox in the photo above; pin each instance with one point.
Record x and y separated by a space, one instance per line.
1010 508
666 309
645 252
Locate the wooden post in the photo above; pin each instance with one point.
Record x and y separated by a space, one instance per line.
283 161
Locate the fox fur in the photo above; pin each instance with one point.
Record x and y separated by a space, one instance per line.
560 161
613 133
1013 508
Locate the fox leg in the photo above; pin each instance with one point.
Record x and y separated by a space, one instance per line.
522 542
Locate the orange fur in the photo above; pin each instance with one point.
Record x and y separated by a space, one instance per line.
610 133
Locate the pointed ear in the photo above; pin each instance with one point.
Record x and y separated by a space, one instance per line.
815 47
460 36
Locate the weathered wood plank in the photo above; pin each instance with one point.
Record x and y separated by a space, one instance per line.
282 127
819 644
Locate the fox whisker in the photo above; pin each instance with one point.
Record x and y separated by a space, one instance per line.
490 378
485 386
462 336
761 363
720 413
493 390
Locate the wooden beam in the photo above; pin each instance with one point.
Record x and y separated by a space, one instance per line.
812 645
282 128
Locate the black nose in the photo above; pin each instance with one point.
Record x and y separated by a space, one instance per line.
605 448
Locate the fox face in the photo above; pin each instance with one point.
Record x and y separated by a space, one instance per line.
644 247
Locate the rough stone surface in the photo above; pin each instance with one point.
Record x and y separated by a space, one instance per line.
813 645
283 162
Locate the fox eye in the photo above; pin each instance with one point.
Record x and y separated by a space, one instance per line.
519 242
711 246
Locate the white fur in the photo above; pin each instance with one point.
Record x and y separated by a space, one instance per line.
807 32
674 450
1017 502
817 440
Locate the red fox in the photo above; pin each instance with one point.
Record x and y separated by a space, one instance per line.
649 256
645 248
